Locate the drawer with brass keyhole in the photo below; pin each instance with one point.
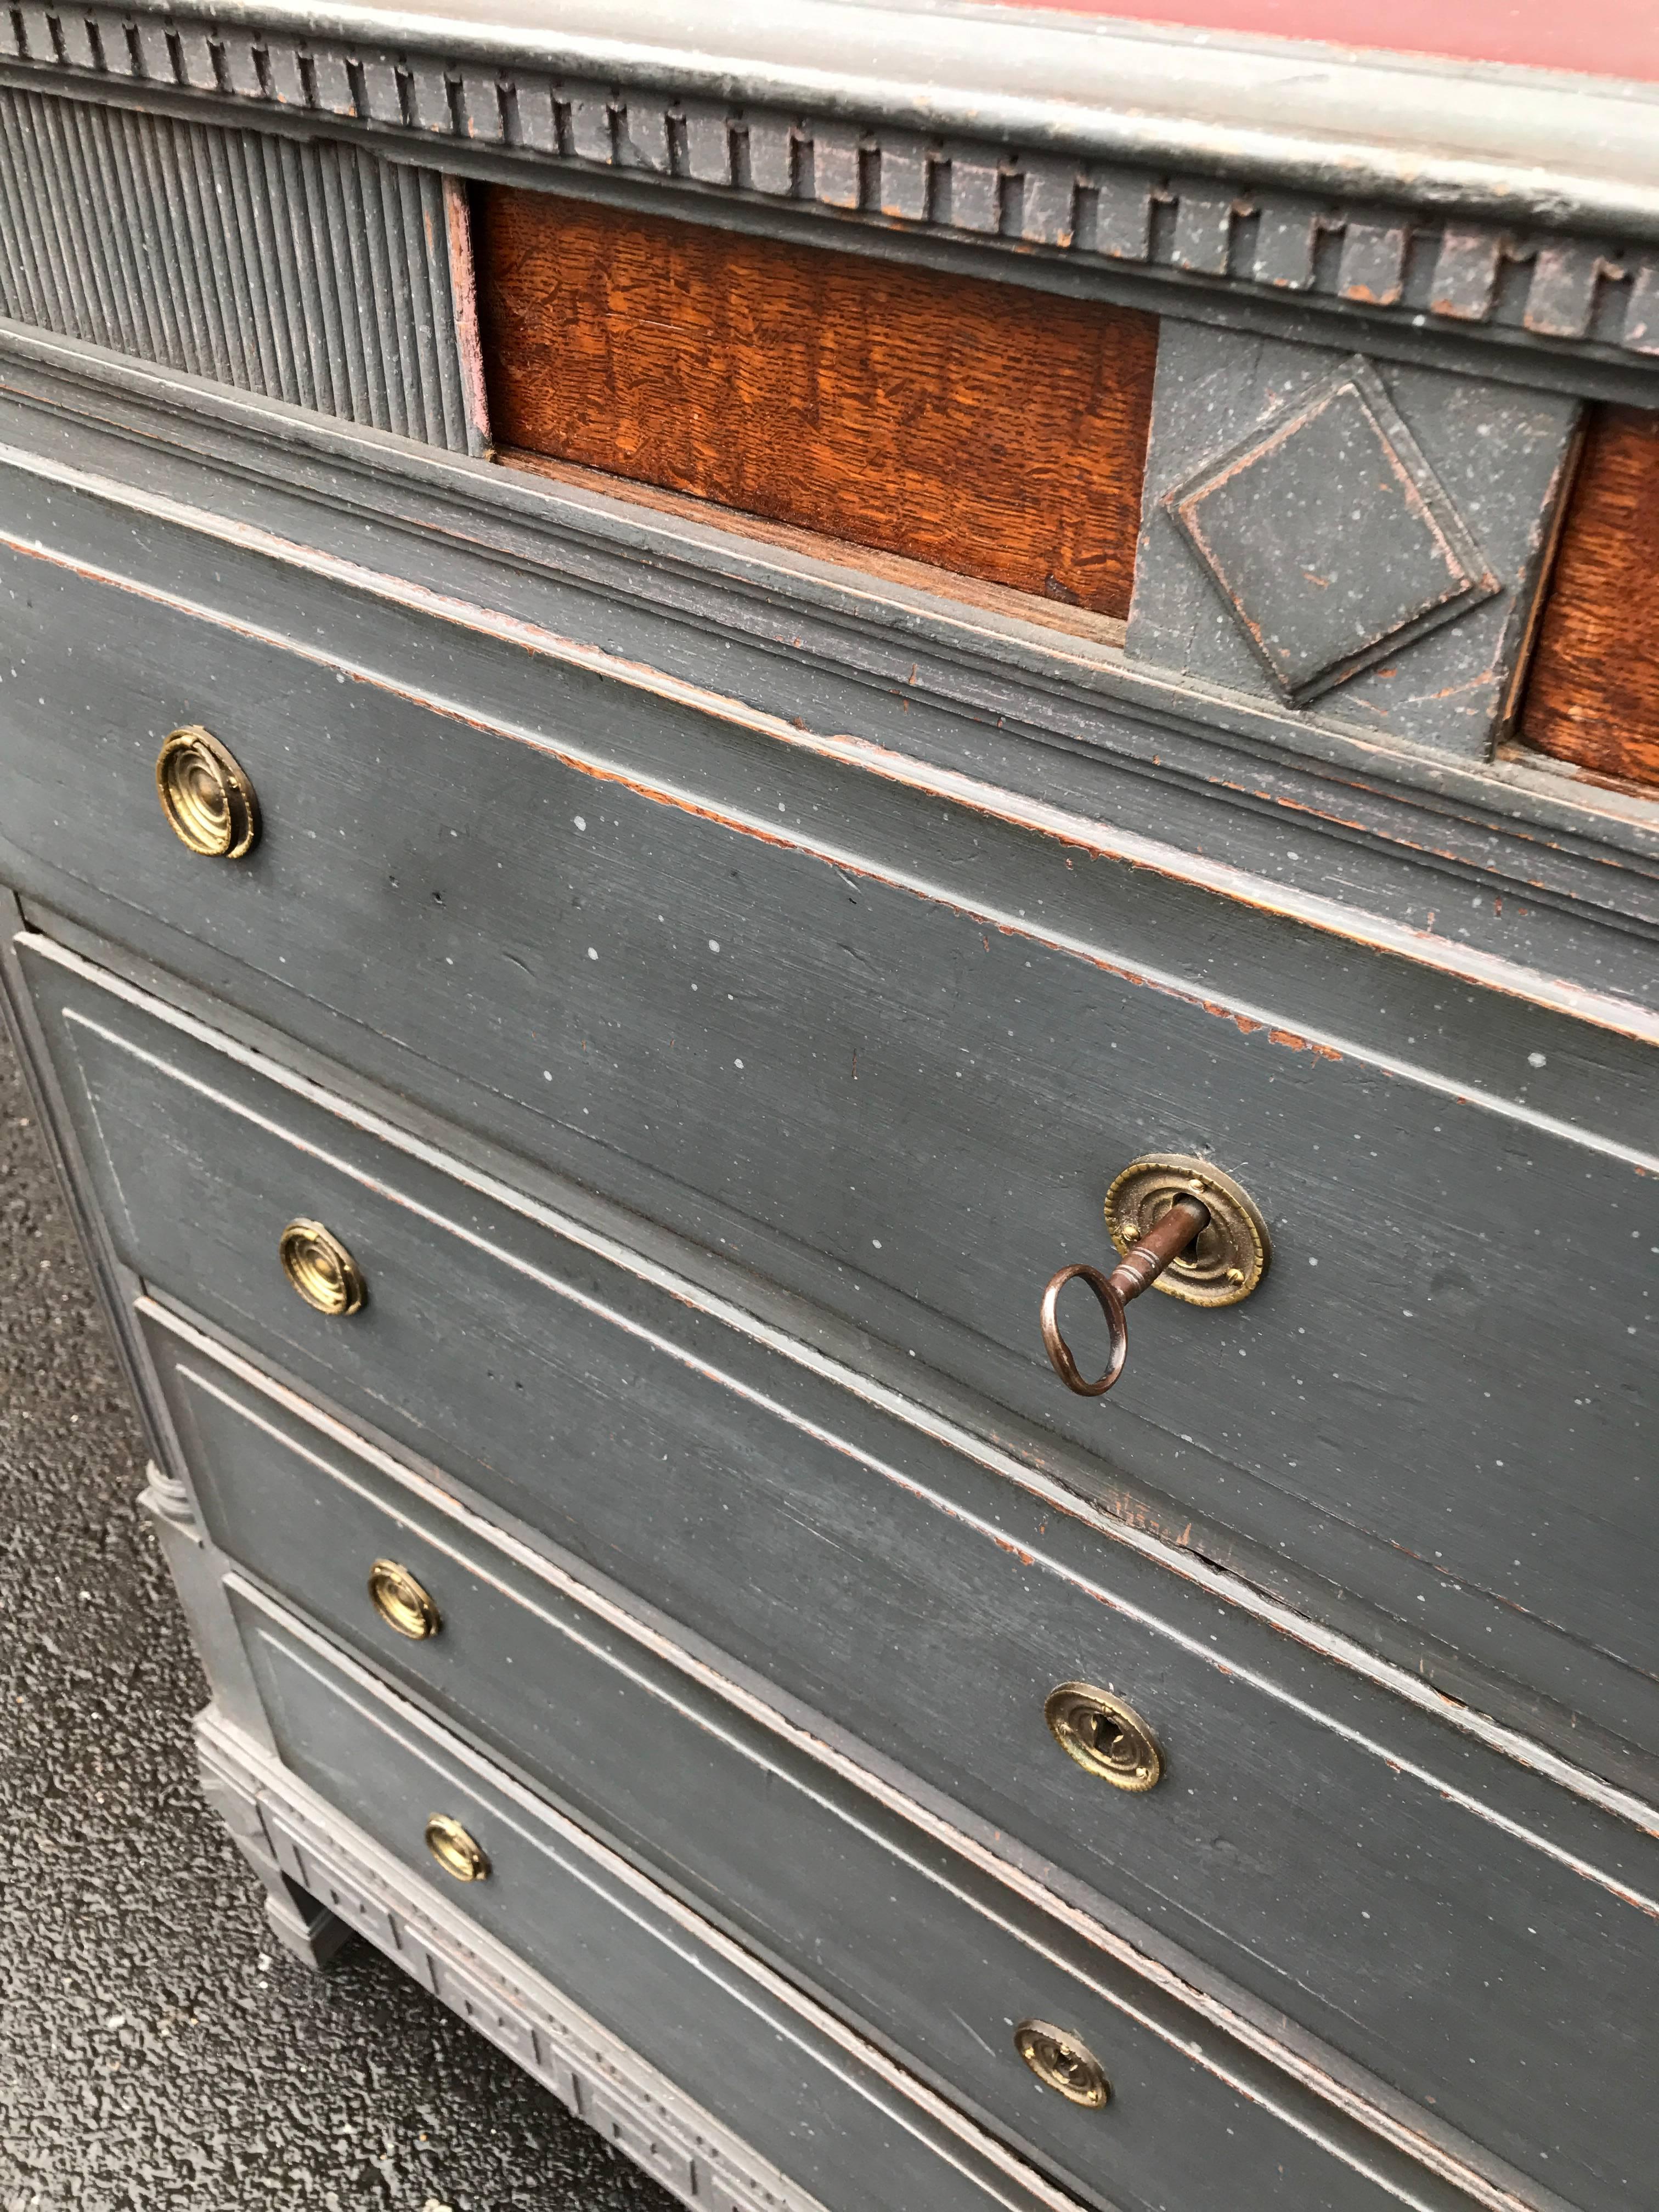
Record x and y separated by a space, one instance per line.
621 1417
1074 2063
1028 1015
1159 1759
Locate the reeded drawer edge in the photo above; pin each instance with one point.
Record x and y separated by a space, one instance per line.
587 2069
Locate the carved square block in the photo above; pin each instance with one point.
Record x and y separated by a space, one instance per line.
1330 537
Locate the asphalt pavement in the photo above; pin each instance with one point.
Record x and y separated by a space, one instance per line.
157 2049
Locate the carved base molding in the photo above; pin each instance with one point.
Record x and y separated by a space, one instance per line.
276 1820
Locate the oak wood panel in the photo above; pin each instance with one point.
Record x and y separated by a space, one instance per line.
977 426
1592 698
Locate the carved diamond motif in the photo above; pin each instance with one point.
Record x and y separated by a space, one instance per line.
1330 537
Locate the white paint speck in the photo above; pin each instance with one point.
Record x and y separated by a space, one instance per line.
713 944
876 1241
1312 1262
580 821
592 952
547 1075
1538 1060
737 1063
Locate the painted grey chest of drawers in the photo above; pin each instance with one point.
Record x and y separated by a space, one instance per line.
696 720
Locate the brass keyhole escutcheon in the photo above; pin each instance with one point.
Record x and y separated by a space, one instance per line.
456 1852
1062 2063
401 1602
321 1269
1104 1736
1231 1253
208 800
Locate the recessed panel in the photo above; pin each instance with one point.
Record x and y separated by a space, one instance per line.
1593 697
980 427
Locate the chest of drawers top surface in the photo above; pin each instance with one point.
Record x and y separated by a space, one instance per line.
761 676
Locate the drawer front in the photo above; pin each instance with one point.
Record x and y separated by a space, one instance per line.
1374 1874
892 1053
748 1827
612 1943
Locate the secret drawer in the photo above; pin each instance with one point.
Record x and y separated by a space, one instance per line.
1351 1858
890 1051
873 1912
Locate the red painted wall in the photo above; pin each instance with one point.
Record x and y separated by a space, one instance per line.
1607 38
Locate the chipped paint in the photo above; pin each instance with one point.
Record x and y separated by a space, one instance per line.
1292 2060
1373 931
1294 1043
1027 1474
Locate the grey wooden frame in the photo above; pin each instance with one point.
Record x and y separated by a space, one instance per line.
1197 173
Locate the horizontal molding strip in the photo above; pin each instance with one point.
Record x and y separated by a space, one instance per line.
1229 1589
1255 168
1358 926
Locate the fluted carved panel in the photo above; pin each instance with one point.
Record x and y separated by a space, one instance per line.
307 272
1472 277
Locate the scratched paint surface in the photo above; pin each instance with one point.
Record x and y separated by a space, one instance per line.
758 1836
1313 1844
884 1085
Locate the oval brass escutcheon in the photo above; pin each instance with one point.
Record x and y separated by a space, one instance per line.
1060 2062
456 1852
401 1602
1105 1736
1230 1254
208 800
321 1269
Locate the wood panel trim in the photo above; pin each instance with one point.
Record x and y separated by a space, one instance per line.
980 428
882 567
1593 695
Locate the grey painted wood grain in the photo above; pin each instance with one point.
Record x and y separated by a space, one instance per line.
1496 860
235 255
880 1924
908 1107
297 1841
831 2124
1335 1853
1522 1724
1502 456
